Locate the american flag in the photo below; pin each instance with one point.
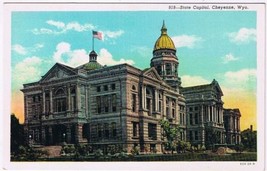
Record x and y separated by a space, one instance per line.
97 35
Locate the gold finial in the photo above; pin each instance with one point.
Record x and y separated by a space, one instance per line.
163 28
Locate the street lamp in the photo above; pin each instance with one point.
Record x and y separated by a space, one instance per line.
64 135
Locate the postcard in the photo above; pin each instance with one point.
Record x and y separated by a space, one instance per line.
134 85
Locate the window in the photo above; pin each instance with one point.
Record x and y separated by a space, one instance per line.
99 130
196 108
168 69
173 113
167 111
98 103
114 129
190 135
148 105
73 103
47 106
33 99
133 102
181 119
106 130
105 87
60 105
114 102
196 135
113 86
135 129
196 118
191 119
190 109
159 69
98 88
152 131
159 106
106 105
133 88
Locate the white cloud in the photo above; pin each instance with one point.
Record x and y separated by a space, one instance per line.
26 71
189 41
19 49
58 24
65 55
62 27
229 58
142 51
113 34
105 58
189 80
26 50
242 77
243 36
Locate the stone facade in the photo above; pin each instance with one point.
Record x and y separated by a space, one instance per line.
204 111
232 125
121 105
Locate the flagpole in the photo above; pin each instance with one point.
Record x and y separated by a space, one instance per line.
93 42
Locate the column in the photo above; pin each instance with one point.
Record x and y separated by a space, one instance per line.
51 100
78 98
69 98
144 98
208 113
43 101
156 99
202 114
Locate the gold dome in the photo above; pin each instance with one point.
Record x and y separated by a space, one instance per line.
164 41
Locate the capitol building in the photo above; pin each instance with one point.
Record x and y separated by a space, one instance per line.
123 105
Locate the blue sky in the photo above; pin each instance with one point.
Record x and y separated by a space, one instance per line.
210 44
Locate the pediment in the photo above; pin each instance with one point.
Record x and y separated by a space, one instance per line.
152 73
58 71
217 87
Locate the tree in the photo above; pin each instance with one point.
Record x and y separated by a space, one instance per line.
17 134
212 137
249 139
171 134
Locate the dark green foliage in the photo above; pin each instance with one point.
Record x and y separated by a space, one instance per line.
212 137
239 148
28 154
17 135
249 139
171 134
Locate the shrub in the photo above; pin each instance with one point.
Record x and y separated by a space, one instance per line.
135 150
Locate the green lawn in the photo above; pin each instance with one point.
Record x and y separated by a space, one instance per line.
163 157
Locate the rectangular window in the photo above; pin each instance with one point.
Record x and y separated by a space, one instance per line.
114 129
113 86
148 105
152 131
168 69
191 119
196 108
191 135
61 105
106 128
106 105
98 88
181 119
196 135
133 102
47 106
173 113
98 104
73 103
196 118
159 106
114 102
99 130
190 109
135 129
105 87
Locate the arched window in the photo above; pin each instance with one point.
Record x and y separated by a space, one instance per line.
60 101
134 88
